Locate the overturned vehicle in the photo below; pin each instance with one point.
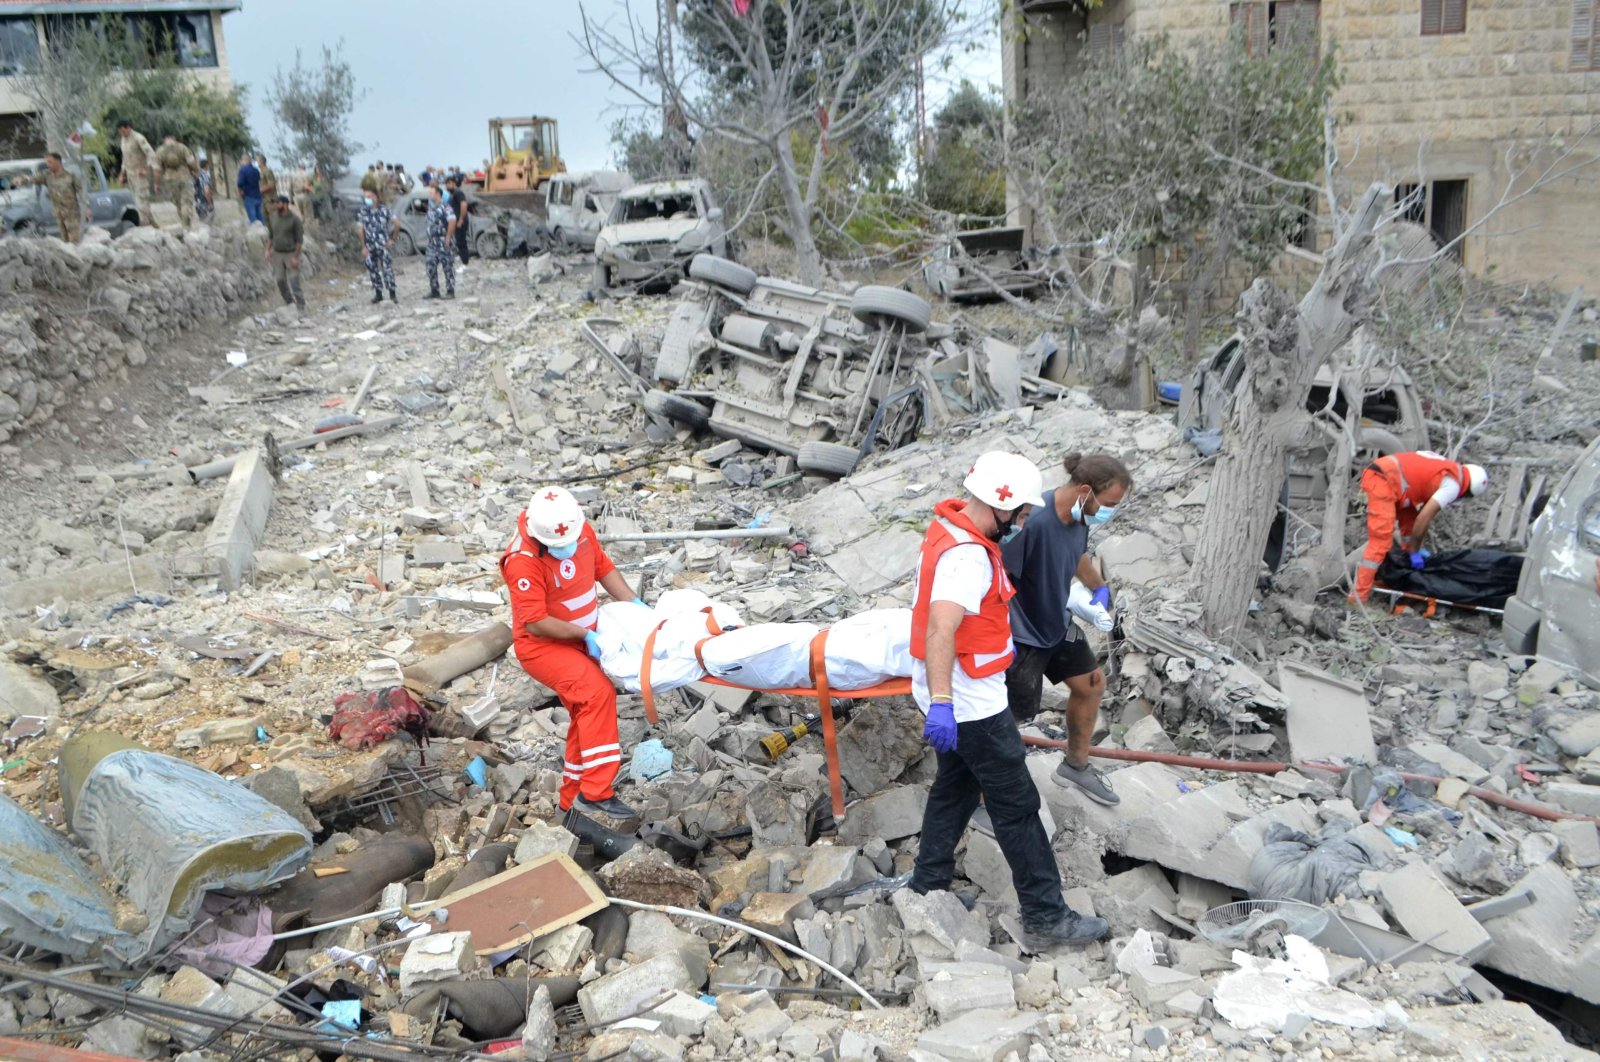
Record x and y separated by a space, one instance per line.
984 264
822 376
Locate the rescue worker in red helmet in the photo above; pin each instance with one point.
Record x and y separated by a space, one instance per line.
1407 491
554 569
960 647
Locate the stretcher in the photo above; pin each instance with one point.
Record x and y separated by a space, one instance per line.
820 689
1428 606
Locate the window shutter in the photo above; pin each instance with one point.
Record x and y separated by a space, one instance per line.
1100 37
1119 35
1252 17
1454 17
1582 35
1432 17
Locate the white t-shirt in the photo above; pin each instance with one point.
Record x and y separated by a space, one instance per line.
1449 490
963 575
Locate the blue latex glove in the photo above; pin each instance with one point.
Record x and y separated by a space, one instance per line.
592 643
1419 559
1102 597
940 729
640 601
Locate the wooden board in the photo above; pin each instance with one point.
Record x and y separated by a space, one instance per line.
511 908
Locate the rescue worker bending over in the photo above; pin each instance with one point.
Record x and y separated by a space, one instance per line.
1409 489
554 569
960 648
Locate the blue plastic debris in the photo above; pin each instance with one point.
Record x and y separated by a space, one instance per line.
1169 391
478 771
651 759
1401 837
345 1013
261 735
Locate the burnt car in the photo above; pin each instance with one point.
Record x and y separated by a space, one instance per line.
25 206
654 230
1555 612
485 234
1391 418
980 264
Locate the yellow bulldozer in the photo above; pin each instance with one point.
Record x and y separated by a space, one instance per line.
524 153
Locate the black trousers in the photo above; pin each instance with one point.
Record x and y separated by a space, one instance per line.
988 762
461 244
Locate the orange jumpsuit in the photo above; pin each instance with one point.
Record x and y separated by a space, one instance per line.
1397 487
542 586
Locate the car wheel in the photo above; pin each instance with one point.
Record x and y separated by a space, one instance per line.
491 245
828 459
876 305
723 273
558 239
130 220
676 408
602 276
404 243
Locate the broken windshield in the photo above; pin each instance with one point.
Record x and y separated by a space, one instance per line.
652 207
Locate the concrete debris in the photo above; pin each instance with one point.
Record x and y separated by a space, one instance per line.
209 596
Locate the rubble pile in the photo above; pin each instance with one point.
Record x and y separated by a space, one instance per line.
78 313
212 603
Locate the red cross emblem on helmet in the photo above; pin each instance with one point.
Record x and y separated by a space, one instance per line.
1004 493
549 495
560 529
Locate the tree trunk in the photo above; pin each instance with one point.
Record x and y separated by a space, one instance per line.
1200 290
1283 347
808 261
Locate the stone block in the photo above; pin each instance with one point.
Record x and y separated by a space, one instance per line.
760 1021
541 838
955 988
1580 843
241 520
1429 912
1327 717
653 933
983 1036
539 1031
1147 734
1583 799
561 949
619 995
940 917
23 691
829 867
1453 762
437 554
683 1014
891 815
217 732
1181 832
1196 896
879 742
1154 985
435 957
776 912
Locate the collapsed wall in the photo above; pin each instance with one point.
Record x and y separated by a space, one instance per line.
72 314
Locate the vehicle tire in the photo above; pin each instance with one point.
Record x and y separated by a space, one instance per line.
490 245
404 244
875 305
676 408
723 273
828 459
558 240
602 277
130 220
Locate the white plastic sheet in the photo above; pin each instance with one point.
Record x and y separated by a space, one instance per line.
768 656
1081 605
868 648
1262 993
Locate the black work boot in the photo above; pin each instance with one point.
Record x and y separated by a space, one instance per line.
433 293
393 297
377 296
1073 930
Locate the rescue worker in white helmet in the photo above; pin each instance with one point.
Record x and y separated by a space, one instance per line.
554 570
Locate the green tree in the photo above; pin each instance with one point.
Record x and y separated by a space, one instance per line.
312 106
962 173
166 100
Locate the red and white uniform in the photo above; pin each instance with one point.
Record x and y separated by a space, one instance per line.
1397 487
961 565
543 587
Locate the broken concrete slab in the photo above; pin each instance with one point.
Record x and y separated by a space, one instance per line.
1581 799
1180 833
653 933
435 957
622 994
1580 843
983 1036
23 691
1427 910
882 559
437 554
891 815
881 739
241 520
1327 716
940 917
148 573
954 988
1453 762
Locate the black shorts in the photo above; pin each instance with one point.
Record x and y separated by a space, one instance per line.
1025 677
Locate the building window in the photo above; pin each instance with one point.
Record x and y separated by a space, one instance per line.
1106 37
1438 206
1585 38
1443 16
152 38
19 45
1276 24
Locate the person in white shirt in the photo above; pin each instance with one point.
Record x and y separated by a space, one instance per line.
960 647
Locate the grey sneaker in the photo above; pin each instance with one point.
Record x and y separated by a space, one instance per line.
610 806
1089 779
1074 930
982 822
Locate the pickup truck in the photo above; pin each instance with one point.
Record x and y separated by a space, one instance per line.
25 207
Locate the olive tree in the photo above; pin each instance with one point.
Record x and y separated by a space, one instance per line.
71 82
312 105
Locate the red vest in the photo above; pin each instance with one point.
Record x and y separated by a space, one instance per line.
983 641
1417 476
542 585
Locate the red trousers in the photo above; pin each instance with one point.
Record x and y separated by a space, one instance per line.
1384 512
594 751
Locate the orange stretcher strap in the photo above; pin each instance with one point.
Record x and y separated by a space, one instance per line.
819 689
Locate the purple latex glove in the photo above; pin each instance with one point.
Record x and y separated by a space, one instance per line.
1419 559
940 729
1102 597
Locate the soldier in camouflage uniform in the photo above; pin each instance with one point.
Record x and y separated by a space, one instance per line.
178 171
378 226
66 197
138 157
441 229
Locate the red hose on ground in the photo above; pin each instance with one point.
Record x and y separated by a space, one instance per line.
1207 763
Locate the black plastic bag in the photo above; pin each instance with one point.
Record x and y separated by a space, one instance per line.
1484 577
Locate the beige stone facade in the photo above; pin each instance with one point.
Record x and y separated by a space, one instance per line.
1493 86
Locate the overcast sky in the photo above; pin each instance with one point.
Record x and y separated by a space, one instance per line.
435 72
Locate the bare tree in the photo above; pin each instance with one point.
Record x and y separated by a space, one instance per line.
312 105
71 83
796 81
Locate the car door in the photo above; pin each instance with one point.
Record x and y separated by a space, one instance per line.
102 205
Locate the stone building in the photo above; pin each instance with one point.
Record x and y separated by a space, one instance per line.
193 28
1449 95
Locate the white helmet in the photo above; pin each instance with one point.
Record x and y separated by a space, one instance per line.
554 517
1477 479
1004 481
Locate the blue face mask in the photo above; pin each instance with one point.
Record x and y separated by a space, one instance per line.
566 552
1103 514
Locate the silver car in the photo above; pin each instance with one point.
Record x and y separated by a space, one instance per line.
484 234
1555 612
25 208
655 229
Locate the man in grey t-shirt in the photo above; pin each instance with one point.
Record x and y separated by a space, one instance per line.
1042 559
